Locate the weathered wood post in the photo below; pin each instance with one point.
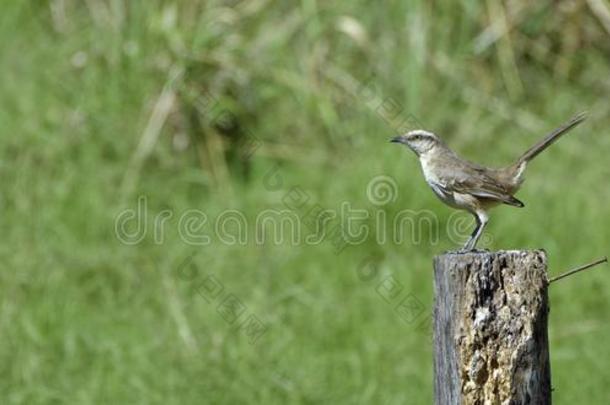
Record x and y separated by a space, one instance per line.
490 328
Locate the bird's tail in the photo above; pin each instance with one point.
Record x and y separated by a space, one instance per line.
550 138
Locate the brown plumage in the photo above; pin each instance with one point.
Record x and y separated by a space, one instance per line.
469 186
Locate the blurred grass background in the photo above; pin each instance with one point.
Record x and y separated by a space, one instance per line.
100 103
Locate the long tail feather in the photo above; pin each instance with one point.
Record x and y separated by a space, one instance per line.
550 138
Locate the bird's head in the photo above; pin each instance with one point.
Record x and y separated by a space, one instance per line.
419 141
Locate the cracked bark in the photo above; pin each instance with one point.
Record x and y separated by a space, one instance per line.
490 328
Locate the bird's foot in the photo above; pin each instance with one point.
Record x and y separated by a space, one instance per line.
471 250
471 247
468 247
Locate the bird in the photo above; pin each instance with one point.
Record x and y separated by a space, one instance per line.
469 186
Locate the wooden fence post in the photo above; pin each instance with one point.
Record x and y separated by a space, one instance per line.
490 328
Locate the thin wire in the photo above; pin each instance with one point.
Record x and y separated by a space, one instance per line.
581 268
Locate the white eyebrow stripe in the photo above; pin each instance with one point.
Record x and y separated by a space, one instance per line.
420 132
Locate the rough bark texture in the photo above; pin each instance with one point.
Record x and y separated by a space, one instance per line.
490 328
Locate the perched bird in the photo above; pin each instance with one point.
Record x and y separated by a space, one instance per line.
469 186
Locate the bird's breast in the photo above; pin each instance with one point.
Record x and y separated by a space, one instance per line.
428 169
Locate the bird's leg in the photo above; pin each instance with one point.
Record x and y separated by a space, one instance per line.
482 220
468 246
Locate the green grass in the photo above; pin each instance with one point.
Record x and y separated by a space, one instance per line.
87 319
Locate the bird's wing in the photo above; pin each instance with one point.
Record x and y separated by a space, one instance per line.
473 180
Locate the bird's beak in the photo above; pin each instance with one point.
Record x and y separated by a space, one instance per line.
397 139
